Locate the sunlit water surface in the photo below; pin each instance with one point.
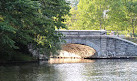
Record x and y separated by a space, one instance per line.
65 70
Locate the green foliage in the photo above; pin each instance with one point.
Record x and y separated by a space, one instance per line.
21 57
31 21
104 14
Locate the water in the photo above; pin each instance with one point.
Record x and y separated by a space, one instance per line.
80 70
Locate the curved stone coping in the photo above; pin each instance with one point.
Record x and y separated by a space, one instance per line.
99 36
115 37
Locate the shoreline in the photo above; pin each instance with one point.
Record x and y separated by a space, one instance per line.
37 61
21 62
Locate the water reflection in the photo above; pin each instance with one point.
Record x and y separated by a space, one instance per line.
68 60
91 70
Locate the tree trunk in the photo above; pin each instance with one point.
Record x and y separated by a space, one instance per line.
100 24
133 28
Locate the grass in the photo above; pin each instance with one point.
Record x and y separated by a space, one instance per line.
133 39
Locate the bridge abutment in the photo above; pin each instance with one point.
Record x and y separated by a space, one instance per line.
103 47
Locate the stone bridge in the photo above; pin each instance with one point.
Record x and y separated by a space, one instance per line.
106 46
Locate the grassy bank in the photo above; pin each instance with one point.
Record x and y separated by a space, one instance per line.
133 39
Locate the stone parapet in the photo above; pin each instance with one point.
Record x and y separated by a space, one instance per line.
83 32
106 46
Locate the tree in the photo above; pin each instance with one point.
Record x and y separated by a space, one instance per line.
31 21
90 14
132 14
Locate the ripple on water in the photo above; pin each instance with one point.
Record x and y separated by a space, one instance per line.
94 70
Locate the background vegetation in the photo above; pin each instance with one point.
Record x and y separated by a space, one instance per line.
116 15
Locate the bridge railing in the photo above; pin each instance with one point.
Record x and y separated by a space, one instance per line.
83 32
92 32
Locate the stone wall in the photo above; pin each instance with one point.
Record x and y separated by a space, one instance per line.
120 47
106 46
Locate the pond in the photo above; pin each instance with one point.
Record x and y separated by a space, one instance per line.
72 70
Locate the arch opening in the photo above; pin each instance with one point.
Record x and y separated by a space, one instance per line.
73 50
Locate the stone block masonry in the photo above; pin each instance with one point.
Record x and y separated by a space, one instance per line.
106 46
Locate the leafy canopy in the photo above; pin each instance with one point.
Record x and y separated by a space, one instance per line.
31 21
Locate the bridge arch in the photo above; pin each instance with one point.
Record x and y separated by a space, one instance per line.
106 46
85 42
76 50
